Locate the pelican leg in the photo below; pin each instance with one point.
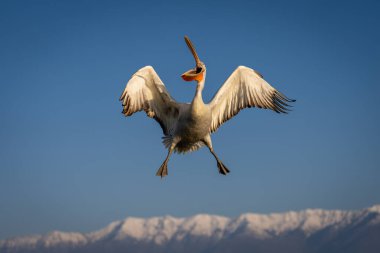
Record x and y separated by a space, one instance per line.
222 168
163 170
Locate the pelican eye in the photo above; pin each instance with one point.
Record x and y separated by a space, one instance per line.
198 70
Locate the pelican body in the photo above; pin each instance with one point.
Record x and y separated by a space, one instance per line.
188 126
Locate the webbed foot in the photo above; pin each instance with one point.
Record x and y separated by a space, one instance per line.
163 170
222 168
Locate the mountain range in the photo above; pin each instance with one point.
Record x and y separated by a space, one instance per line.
311 230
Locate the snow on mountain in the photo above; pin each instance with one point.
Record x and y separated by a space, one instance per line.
162 229
157 229
308 221
49 240
313 224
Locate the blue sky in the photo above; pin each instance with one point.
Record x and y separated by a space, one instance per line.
69 160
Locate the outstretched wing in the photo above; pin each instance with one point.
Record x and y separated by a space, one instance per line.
245 88
145 91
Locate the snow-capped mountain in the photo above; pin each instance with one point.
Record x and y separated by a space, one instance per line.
311 230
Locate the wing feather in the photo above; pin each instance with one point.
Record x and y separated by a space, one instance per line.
145 91
245 88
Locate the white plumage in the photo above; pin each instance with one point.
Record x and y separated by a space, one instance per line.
145 91
245 88
187 126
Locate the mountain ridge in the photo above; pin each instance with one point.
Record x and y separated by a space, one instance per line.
168 232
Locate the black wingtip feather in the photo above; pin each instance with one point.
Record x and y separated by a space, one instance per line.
283 97
280 102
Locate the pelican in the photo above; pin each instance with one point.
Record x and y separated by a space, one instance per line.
188 126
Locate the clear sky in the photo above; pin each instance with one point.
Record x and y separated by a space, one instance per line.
69 160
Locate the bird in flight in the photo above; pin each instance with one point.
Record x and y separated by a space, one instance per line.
188 126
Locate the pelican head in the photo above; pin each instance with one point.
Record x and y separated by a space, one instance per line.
197 73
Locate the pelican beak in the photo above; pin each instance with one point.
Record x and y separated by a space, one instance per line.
195 74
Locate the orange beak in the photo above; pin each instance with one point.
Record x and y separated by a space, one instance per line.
192 75
195 74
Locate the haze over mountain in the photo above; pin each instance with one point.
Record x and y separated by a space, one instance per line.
311 230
